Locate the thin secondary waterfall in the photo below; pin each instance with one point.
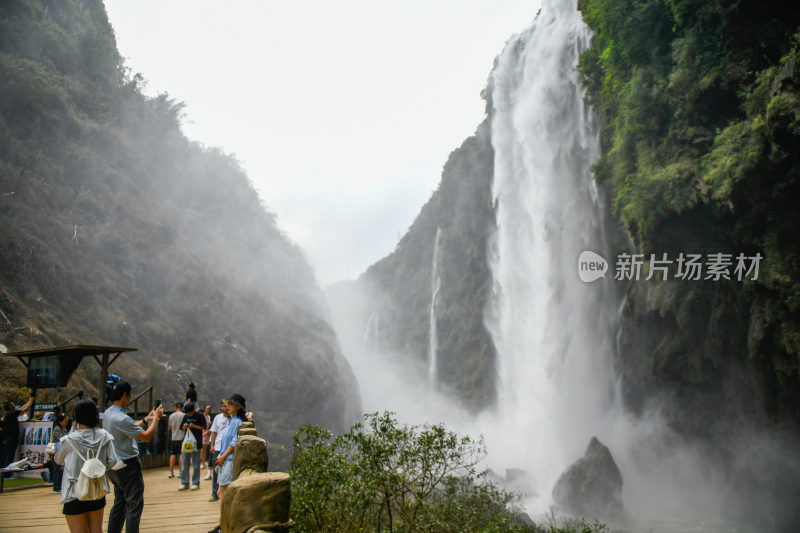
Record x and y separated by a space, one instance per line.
553 333
370 339
435 283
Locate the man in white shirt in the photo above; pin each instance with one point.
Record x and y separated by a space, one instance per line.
219 423
176 437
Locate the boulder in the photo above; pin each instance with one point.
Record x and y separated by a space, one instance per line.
592 486
259 502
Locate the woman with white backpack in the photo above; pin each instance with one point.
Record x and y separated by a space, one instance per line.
86 453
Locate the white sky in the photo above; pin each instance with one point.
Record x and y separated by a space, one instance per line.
341 112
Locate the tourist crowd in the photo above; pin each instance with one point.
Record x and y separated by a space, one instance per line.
108 443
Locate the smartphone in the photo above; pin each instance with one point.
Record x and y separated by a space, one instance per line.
158 402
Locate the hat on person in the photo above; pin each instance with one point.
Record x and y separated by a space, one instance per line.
179 404
237 399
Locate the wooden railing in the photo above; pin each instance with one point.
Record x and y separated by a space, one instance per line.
135 401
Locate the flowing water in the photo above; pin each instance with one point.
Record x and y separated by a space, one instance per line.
435 284
555 335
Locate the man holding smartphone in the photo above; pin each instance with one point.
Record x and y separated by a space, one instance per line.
128 482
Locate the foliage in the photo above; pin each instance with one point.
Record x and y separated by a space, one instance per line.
701 111
582 526
381 476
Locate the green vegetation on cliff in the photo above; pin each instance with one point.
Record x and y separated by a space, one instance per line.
700 149
115 228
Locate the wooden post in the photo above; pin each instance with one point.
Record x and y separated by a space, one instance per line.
33 404
103 378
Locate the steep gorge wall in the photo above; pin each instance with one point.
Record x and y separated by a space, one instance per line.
115 228
401 282
700 106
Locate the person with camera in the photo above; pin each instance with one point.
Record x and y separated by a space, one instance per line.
11 430
128 482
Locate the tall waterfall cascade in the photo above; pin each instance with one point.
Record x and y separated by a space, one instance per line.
552 332
555 335
435 284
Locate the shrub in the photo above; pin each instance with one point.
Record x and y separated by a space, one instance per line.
380 476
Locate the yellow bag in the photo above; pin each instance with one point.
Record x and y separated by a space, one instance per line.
189 442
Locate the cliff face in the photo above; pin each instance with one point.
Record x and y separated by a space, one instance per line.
114 228
700 105
461 209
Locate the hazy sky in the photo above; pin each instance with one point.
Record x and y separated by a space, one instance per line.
342 113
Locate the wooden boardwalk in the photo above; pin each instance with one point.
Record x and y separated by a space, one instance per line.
166 509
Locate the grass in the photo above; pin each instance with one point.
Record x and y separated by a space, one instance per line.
21 482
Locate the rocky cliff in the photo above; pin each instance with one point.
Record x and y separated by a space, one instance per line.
115 228
400 284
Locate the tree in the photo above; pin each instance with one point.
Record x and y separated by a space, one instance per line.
380 476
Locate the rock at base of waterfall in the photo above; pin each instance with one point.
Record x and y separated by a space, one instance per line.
592 486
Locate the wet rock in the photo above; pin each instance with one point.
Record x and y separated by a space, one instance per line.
592 486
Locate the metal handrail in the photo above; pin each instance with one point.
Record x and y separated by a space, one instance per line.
78 394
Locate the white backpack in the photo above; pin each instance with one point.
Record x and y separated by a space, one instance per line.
90 485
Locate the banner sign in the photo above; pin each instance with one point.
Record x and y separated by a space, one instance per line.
34 437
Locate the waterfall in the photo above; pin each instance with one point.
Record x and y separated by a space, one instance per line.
553 333
555 336
435 283
370 340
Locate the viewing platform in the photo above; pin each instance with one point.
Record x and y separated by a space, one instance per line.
166 509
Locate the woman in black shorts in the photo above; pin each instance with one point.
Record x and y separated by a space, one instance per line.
83 516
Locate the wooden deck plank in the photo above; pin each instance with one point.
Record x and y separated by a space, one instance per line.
166 508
